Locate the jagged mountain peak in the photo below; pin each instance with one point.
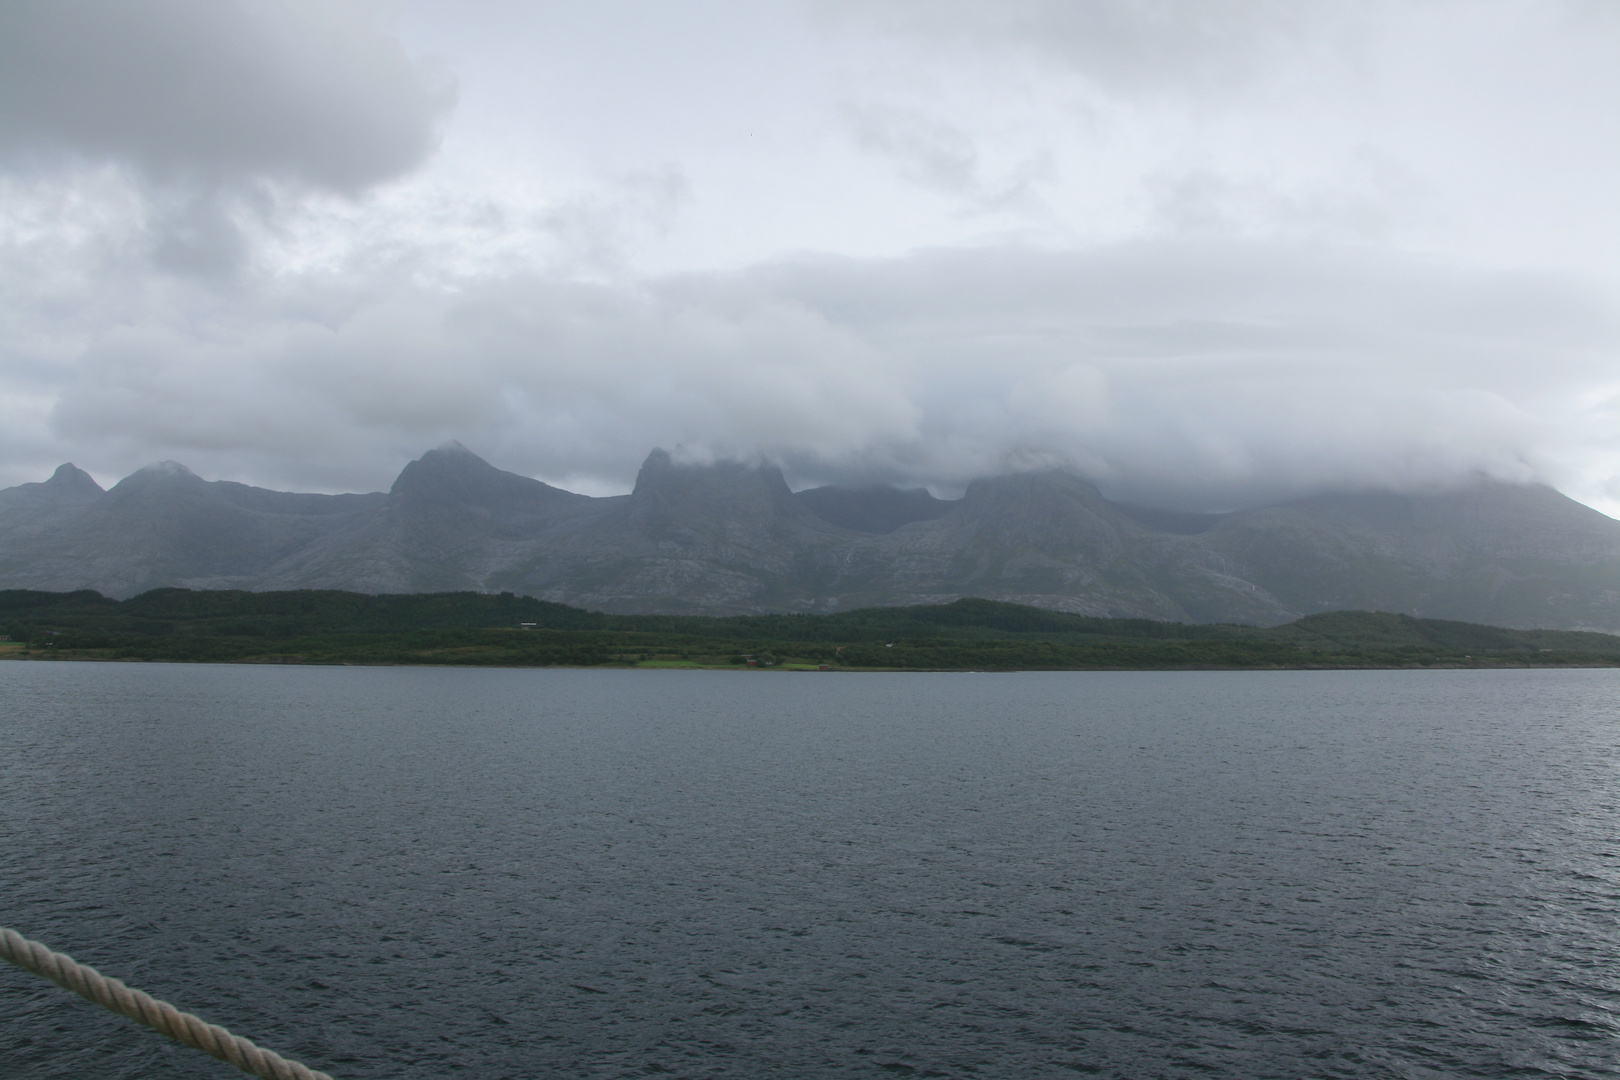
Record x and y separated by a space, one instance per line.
875 508
1496 516
166 468
1049 511
68 477
662 477
453 476
451 462
673 497
1501 497
159 474
70 486
729 537
1050 494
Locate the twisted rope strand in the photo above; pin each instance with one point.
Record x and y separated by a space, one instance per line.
113 995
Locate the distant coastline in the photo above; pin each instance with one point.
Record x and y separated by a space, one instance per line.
481 630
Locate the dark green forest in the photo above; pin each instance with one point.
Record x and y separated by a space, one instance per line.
330 627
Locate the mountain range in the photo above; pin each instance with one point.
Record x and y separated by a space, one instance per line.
733 538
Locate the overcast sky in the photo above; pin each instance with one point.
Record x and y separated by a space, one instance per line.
1204 254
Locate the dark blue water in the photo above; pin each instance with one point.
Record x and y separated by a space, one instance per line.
431 873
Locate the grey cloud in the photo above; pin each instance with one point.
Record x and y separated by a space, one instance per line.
1140 46
1370 198
944 158
193 232
313 91
1199 375
930 153
1258 343
592 234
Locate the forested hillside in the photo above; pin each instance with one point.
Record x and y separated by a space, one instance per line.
476 628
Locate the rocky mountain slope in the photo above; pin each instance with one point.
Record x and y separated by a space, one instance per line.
731 538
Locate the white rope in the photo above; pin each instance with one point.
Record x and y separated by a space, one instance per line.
111 994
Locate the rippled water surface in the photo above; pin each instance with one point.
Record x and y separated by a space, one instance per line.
437 872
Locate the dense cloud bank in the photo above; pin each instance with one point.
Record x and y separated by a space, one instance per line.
204 89
211 106
1193 374
1205 256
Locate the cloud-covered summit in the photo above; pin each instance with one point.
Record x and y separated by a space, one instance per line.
1204 255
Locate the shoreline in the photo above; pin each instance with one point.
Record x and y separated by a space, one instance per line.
1348 663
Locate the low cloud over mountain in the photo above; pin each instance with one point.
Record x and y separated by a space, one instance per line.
1208 256
729 537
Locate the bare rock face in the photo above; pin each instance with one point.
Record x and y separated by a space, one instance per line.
701 538
68 486
1520 555
450 521
164 525
732 538
876 509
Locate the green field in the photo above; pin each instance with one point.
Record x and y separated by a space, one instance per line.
328 627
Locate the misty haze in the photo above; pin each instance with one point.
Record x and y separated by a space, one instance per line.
803 538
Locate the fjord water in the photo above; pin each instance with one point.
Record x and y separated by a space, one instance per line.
442 872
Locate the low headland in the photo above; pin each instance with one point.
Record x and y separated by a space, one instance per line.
504 630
